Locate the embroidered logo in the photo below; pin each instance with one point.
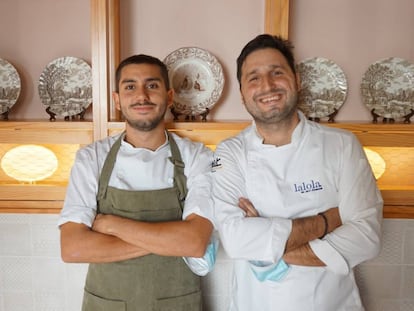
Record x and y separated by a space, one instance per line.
304 187
215 164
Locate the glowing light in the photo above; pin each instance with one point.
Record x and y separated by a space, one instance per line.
376 161
29 163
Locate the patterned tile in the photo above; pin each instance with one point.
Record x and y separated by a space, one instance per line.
16 273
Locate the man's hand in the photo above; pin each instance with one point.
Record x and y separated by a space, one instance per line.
248 207
103 223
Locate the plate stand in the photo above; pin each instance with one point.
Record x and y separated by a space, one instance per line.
408 116
331 117
203 115
375 117
67 118
5 115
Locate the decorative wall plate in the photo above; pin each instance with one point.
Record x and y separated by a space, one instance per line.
387 89
65 87
9 86
323 88
197 79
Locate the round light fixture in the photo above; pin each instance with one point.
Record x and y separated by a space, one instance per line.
29 163
376 161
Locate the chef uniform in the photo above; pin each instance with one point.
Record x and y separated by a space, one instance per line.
321 168
150 282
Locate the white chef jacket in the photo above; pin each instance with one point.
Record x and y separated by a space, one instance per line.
137 169
321 168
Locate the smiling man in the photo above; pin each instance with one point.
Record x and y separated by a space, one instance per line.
138 202
312 205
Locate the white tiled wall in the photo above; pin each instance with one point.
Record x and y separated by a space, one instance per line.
33 277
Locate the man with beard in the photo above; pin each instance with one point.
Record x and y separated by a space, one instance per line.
138 202
312 205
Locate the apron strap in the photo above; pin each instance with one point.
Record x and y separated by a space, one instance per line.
107 168
180 180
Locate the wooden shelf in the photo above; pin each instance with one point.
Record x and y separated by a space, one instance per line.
46 132
31 199
399 199
381 135
369 134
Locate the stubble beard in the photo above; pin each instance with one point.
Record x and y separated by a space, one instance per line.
145 125
277 116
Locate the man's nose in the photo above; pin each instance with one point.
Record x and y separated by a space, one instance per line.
267 83
141 94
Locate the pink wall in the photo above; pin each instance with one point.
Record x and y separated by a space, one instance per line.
32 34
221 27
351 33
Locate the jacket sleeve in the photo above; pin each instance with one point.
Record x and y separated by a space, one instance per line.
360 207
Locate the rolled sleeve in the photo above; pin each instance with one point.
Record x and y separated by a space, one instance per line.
281 230
330 256
255 238
79 215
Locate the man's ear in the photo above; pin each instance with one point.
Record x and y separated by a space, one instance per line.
242 99
115 97
298 85
170 97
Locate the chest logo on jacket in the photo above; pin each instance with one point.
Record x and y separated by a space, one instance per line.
215 164
309 186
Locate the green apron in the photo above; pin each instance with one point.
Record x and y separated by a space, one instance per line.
150 282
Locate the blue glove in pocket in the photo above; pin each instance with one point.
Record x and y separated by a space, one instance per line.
269 272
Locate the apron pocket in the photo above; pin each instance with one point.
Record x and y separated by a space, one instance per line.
190 302
95 303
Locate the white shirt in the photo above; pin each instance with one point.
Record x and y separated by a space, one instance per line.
137 169
321 168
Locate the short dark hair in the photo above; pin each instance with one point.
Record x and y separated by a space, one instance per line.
262 42
142 59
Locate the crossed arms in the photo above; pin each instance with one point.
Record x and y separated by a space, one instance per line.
113 238
305 229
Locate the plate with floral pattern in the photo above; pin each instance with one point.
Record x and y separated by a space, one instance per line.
65 87
323 88
9 86
387 89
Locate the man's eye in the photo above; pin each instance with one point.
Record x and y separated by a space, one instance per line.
129 87
253 79
152 86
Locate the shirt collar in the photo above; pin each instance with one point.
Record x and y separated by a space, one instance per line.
298 132
128 146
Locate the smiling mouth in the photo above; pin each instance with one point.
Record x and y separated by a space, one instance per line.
142 106
269 99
